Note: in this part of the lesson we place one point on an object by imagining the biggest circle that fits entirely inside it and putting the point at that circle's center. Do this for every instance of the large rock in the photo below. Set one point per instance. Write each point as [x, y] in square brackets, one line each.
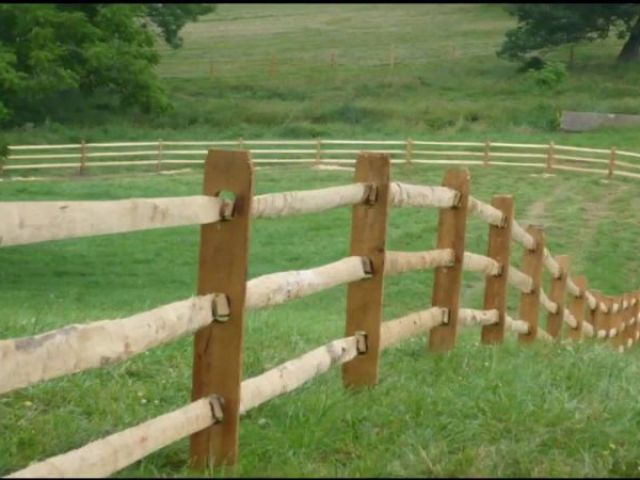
[583, 121]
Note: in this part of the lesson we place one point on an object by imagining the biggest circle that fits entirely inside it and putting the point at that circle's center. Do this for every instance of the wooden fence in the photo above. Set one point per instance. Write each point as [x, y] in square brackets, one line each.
[160, 154]
[216, 314]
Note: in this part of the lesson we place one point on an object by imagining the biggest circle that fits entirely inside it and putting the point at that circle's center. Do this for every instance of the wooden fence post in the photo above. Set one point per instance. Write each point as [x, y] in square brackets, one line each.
[409, 150]
[495, 290]
[447, 280]
[217, 360]
[623, 319]
[557, 294]
[530, 302]
[597, 314]
[550, 156]
[83, 156]
[487, 153]
[159, 164]
[612, 161]
[240, 143]
[616, 322]
[368, 239]
[318, 151]
[636, 315]
[577, 307]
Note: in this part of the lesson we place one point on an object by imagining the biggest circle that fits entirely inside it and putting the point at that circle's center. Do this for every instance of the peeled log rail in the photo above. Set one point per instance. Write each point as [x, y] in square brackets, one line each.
[518, 326]
[520, 280]
[522, 237]
[550, 264]
[295, 203]
[572, 288]
[277, 288]
[407, 195]
[551, 307]
[395, 331]
[488, 213]
[32, 222]
[401, 262]
[292, 374]
[480, 263]
[103, 457]
[28, 360]
[470, 317]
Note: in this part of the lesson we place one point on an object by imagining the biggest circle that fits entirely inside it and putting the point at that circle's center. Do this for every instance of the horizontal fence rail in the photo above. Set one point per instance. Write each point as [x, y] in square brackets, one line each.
[162, 153]
[211, 419]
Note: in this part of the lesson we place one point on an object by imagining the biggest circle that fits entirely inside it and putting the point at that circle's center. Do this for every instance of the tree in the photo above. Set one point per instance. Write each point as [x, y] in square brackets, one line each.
[49, 48]
[548, 25]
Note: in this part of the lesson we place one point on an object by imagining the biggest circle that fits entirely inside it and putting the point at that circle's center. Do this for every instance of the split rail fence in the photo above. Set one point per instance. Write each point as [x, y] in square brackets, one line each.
[216, 315]
[159, 154]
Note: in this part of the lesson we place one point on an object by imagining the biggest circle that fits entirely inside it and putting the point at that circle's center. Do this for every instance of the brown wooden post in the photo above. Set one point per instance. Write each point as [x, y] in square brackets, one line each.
[409, 151]
[495, 290]
[577, 307]
[597, 315]
[452, 224]
[487, 153]
[550, 156]
[624, 329]
[159, 164]
[530, 302]
[217, 359]
[83, 156]
[556, 294]
[368, 239]
[318, 150]
[612, 161]
[616, 322]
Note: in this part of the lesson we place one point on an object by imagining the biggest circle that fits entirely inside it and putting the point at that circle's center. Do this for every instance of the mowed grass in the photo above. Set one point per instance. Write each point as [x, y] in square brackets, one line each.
[563, 410]
[266, 71]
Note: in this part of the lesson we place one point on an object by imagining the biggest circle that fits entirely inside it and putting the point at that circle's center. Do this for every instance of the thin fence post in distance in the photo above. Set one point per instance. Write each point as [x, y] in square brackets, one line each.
[550, 156]
[495, 290]
[447, 280]
[557, 294]
[159, 164]
[577, 307]
[529, 302]
[409, 151]
[487, 153]
[83, 156]
[217, 361]
[612, 162]
[368, 239]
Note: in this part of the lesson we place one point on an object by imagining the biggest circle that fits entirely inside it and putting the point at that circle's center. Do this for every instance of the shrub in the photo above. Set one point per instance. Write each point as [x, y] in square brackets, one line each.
[552, 75]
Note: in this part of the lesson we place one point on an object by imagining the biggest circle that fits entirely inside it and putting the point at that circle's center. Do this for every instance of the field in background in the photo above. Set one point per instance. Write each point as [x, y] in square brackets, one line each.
[266, 71]
[508, 411]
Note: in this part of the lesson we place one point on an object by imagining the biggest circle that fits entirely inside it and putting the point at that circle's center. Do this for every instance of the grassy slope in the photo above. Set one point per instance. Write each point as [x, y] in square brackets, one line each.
[447, 81]
[507, 411]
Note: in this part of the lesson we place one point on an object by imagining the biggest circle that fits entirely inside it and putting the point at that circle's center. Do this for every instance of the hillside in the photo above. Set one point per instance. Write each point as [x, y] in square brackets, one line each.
[291, 71]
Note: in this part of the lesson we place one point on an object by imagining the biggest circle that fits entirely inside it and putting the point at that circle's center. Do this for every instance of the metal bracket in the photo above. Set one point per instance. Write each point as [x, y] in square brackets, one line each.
[361, 342]
[226, 210]
[370, 194]
[216, 402]
[367, 266]
[220, 310]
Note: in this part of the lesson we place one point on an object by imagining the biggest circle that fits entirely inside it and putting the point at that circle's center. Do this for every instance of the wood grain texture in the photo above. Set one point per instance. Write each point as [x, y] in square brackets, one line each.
[530, 302]
[577, 307]
[364, 298]
[217, 360]
[557, 293]
[495, 290]
[452, 224]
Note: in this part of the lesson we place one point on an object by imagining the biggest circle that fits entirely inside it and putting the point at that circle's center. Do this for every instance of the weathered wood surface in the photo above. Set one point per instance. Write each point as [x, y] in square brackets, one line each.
[26, 361]
[217, 348]
[364, 298]
[530, 301]
[452, 224]
[407, 195]
[401, 262]
[395, 331]
[276, 288]
[32, 222]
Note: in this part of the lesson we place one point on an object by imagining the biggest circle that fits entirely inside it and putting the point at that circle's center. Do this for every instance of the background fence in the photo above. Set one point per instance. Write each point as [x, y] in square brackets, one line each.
[216, 315]
[159, 154]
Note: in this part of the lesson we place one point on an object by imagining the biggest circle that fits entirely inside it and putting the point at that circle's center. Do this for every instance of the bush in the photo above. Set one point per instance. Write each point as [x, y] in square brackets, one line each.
[552, 75]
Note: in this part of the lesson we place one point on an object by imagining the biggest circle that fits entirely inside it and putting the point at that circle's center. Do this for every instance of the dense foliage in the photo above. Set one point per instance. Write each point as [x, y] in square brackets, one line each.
[46, 49]
[542, 26]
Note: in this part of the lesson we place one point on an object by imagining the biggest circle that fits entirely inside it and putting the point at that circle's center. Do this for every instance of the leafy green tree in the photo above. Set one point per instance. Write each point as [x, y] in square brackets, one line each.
[49, 48]
[542, 26]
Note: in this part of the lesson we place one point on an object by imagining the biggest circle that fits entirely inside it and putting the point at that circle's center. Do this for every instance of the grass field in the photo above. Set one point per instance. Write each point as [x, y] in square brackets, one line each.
[446, 82]
[569, 410]
[565, 410]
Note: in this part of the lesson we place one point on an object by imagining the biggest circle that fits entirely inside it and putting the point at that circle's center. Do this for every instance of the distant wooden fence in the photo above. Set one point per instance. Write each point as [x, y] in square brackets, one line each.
[216, 315]
[160, 154]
